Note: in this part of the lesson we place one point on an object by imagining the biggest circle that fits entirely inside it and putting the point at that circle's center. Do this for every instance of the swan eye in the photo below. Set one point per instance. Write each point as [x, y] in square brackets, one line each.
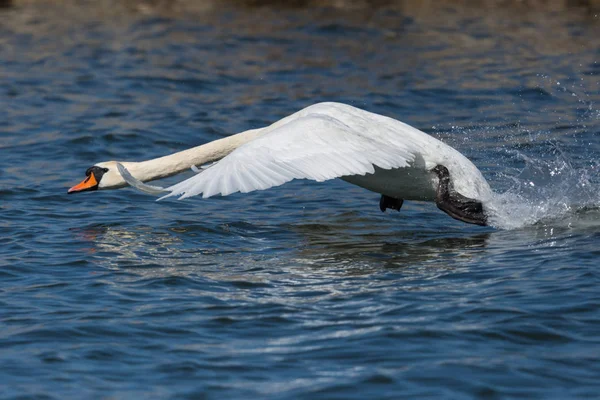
[97, 171]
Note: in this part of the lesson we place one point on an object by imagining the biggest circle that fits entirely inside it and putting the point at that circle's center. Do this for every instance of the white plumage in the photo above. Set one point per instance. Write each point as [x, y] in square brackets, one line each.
[332, 140]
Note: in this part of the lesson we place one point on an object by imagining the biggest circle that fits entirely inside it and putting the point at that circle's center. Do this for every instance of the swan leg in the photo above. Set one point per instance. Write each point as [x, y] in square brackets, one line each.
[389, 202]
[455, 204]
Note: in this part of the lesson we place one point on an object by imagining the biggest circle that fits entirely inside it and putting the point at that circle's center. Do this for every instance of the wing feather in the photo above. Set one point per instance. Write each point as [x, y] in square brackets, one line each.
[317, 143]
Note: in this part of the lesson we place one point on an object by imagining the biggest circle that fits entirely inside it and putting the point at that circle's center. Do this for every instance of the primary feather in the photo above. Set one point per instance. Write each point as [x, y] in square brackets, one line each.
[321, 142]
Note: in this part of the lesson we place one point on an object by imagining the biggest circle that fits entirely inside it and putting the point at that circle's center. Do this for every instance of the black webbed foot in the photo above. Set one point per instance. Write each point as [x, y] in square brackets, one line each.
[455, 204]
[389, 202]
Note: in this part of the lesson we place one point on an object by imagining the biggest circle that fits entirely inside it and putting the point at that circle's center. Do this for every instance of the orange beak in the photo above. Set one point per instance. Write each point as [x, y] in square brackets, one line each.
[88, 183]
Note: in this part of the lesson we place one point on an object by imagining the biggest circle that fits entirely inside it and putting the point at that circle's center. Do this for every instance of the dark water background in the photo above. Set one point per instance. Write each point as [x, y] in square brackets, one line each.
[306, 290]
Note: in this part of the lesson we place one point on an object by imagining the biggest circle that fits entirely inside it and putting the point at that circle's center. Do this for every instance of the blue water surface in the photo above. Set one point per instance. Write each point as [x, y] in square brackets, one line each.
[304, 291]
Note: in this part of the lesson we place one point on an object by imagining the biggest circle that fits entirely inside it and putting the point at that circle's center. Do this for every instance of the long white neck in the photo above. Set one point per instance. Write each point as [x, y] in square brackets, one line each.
[176, 163]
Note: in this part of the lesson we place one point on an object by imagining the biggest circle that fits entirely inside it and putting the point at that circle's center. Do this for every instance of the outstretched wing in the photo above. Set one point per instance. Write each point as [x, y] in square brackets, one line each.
[314, 145]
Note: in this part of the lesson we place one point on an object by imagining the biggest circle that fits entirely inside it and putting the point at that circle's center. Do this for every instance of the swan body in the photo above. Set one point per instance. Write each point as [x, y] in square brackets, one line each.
[320, 142]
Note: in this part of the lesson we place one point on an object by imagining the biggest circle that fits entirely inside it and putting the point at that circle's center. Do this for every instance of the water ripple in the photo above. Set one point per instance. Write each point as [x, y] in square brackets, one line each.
[306, 290]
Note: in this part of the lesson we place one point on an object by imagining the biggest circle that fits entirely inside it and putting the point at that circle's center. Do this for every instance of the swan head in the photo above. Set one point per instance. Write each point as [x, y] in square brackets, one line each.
[104, 175]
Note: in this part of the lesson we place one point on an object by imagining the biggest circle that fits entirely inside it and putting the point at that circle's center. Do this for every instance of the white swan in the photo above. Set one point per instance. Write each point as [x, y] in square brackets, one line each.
[321, 142]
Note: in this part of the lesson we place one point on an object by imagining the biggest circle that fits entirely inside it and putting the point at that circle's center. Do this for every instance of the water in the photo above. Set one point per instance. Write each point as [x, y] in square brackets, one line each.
[306, 290]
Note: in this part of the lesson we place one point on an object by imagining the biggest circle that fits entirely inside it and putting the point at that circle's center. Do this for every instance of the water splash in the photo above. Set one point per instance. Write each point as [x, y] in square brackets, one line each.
[547, 191]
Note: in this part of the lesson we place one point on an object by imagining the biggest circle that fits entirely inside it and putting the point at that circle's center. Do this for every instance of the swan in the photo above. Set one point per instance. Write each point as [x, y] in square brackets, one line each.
[320, 142]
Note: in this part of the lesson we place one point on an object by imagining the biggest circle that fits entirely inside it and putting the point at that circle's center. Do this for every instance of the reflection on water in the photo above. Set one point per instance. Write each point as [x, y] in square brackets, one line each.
[152, 252]
[337, 246]
[315, 250]
[322, 245]
[317, 271]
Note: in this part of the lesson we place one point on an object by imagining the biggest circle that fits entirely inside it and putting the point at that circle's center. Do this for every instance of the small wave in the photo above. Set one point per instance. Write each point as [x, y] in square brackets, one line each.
[549, 191]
